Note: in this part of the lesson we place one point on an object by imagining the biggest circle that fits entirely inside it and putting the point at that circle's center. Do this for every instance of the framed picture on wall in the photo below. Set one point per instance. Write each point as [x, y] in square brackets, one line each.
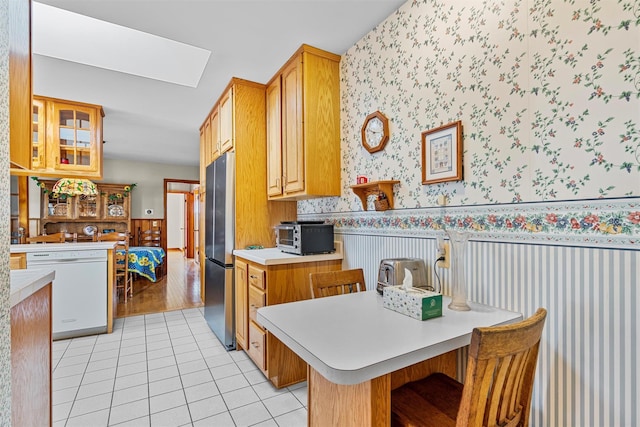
[442, 154]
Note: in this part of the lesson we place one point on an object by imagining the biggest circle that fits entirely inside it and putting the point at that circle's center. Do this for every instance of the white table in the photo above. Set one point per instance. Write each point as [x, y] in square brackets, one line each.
[358, 351]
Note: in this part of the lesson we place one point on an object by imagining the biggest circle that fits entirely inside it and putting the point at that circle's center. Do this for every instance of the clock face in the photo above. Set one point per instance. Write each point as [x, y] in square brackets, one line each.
[375, 132]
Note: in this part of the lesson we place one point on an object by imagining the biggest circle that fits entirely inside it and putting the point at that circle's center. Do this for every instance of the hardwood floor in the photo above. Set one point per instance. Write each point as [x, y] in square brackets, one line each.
[179, 289]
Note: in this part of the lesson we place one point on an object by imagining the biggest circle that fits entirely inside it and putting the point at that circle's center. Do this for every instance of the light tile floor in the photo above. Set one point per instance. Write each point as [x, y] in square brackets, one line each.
[165, 369]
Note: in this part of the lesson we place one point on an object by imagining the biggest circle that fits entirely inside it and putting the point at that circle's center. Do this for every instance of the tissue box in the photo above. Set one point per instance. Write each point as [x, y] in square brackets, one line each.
[419, 304]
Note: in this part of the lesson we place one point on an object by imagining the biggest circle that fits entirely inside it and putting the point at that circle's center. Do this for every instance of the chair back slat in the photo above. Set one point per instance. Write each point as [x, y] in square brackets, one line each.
[500, 373]
[332, 283]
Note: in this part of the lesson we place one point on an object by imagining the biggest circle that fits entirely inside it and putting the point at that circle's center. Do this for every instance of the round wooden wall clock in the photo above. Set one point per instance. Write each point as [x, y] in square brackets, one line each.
[375, 132]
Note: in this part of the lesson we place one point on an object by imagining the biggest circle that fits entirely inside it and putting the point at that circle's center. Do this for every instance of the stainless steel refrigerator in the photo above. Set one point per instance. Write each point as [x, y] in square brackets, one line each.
[219, 244]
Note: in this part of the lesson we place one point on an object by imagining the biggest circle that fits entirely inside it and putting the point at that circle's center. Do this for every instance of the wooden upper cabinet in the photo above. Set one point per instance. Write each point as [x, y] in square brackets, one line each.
[38, 134]
[226, 121]
[218, 126]
[76, 143]
[203, 155]
[65, 138]
[19, 14]
[214, 130]
[274, 134]
[304, 144]
[293, 158]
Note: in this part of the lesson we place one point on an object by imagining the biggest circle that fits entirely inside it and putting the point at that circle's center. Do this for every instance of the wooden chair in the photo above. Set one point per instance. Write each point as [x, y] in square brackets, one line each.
[124, 279]
[498, 385]
[336, 282]
[152, 237]
[53, 238]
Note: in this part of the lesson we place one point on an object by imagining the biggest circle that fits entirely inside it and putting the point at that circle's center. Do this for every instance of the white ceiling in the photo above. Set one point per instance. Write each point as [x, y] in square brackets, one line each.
[155, 121]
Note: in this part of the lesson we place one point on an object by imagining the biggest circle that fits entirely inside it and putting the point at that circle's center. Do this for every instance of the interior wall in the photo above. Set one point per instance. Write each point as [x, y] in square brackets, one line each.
[149, 177]
[588, 369]
[546, 92]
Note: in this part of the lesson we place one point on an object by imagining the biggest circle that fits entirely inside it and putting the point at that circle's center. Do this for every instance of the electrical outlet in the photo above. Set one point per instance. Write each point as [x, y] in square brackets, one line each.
[443, 252]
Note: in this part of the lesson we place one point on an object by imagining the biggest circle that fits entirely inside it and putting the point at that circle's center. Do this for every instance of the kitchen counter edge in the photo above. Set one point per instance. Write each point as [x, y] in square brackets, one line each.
[55, 247]
[25, 283]
[273, 256]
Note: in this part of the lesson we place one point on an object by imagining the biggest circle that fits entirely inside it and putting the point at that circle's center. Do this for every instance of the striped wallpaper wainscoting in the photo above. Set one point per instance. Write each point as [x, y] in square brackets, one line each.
[588, 371]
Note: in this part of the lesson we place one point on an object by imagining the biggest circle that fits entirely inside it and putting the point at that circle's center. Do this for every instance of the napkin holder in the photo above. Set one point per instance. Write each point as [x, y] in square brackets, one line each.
[413, 302]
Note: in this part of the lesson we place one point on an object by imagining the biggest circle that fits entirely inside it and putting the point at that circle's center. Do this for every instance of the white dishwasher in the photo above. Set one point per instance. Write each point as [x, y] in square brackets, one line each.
[79, 294]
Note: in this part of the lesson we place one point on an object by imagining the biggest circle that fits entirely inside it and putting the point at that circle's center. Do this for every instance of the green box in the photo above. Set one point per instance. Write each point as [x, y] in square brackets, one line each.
[414, 302]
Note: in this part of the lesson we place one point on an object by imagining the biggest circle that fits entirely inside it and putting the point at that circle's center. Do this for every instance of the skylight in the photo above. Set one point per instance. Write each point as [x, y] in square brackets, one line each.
[61, 34]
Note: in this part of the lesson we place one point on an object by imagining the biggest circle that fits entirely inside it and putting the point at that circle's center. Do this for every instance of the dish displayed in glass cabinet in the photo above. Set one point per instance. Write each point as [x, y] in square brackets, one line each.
[116, 210]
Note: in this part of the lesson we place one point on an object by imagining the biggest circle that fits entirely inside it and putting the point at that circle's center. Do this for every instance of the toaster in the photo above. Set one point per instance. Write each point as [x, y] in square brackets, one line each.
[391, 272]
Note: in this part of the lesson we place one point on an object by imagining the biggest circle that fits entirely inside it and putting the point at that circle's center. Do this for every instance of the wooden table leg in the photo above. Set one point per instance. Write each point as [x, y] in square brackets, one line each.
[367, 403]
[364, 404]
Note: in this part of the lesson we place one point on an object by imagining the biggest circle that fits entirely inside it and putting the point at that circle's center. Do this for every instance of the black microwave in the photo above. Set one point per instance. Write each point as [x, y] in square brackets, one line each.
[305, 237]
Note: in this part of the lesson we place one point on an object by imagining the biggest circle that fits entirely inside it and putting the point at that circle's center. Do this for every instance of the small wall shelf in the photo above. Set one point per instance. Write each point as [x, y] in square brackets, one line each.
[375, 187]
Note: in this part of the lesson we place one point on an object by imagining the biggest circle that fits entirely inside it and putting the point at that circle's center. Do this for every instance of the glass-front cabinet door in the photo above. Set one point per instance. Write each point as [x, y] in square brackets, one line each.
[115, 202]
[87, 207]
[74, 133]
[38, 134]
[58, 206]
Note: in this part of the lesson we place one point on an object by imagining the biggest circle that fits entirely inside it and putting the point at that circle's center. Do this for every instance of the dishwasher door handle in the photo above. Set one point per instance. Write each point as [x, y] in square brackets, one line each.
[61, 261]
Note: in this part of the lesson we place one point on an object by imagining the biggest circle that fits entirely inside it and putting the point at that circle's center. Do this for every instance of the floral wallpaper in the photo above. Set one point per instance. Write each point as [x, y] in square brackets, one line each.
[548, 92]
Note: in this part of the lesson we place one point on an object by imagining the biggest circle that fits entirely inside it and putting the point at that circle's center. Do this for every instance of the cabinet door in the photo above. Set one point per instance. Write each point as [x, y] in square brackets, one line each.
[115, 205]
[88, 207]
[274, 139]
[74, 144]
[204, 154]
[226, 121]
[19, 25]
[38, 134]
[56, 206]
[292, 132]
[257, 344]
[242, 318]
[214, 126]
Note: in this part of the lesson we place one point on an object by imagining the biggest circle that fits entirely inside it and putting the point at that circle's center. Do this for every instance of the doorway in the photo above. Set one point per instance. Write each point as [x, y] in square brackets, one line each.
[180, 210]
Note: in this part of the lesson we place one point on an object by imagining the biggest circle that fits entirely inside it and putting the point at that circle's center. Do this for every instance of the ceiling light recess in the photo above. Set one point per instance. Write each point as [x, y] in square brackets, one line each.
[61, 34]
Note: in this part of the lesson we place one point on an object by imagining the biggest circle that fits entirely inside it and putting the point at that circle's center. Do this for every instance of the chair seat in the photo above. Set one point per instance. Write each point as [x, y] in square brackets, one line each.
[498, 384]
[430, 402]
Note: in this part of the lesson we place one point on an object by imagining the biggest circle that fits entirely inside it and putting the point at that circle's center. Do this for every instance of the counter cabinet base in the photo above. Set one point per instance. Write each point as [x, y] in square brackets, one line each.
[367, 403]
[31, 360]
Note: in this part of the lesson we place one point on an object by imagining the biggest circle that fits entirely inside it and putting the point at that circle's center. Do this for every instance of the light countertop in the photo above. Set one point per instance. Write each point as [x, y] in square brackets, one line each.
[54, 247]
[274, 256]
[25, 283]
[352, 338]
